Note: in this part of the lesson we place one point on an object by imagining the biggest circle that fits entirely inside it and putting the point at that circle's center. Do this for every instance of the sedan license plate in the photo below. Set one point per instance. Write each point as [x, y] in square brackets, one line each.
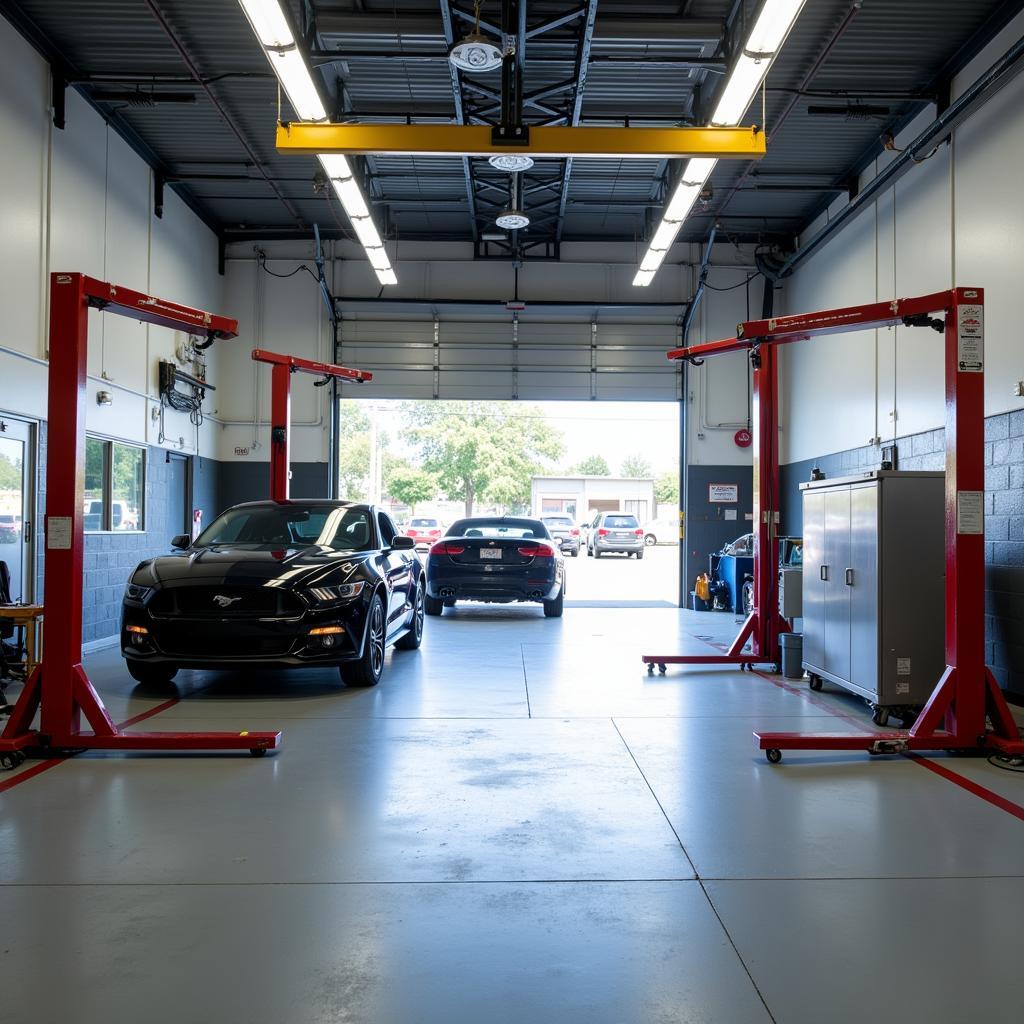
[621, 534]
[494, 553]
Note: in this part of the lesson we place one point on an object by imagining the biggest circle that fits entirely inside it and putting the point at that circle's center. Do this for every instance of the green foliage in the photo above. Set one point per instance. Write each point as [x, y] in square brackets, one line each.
[408, 484]
[636, 466]
[10, 474]
[592, 465]
[354, 451]
[666, 487]
[483, 450]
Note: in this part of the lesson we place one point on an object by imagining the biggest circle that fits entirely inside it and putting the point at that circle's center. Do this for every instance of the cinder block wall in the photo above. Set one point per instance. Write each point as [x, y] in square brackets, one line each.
[1004, 525]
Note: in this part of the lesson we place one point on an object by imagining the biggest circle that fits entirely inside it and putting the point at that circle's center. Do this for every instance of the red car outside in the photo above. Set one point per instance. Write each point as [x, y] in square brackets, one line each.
[424, 530]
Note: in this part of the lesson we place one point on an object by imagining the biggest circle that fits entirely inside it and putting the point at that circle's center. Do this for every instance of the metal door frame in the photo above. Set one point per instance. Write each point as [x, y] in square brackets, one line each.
[30, 473]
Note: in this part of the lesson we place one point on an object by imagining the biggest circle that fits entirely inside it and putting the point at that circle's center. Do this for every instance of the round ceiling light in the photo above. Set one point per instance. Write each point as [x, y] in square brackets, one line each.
[512, 220]
[475, 53]
[514, 163]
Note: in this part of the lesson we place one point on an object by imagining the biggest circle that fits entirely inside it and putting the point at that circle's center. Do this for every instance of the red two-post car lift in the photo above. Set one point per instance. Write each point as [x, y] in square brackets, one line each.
[281, 407]
[59, 689]
[967, 710]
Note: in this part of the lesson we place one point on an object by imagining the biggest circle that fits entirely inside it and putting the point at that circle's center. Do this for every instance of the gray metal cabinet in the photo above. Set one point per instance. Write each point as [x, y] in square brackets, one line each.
[873, 586]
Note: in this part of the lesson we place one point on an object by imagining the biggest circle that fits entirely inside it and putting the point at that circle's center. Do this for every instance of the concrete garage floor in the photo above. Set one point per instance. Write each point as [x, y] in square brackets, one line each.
[517, 825]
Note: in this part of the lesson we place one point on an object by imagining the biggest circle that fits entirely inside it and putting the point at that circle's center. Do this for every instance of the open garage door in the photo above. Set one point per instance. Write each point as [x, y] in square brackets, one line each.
[530, 355]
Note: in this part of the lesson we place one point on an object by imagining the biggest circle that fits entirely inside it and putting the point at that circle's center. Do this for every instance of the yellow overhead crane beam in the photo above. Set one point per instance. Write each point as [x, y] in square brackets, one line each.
[544, 141]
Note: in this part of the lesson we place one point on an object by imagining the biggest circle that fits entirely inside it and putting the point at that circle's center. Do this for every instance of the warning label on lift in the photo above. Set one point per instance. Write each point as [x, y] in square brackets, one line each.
[970, 512]
[970, 333]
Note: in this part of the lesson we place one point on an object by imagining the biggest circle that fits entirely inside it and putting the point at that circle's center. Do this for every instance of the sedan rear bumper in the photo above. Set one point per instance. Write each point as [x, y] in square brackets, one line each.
[473, 588]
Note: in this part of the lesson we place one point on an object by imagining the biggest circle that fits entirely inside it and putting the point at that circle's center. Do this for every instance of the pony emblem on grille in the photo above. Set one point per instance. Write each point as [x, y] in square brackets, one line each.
[224, 601]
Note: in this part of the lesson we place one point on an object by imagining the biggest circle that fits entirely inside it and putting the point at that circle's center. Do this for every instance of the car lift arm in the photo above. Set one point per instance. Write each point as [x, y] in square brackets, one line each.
[967, 710]
[281, 408]
[60, 689]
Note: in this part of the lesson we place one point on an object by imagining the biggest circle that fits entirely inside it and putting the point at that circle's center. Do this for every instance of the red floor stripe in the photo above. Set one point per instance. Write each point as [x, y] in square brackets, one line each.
[42, 766]
[972, 787]
[939, 769]
[31, 773]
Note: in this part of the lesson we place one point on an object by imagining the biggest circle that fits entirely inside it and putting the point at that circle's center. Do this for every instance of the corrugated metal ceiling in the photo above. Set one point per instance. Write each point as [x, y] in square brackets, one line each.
[386, 59]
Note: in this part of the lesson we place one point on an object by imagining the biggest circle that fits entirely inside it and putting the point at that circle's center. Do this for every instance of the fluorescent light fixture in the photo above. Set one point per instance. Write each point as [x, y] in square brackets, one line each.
[366, 232]
[769, 32]
[387, 277]
[351, 197]
[378, 259]
[268, 22]
[297, 82]
[336, 165]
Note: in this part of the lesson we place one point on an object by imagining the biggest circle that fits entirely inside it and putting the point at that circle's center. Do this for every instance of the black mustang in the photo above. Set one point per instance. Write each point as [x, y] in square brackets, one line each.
[278, 584]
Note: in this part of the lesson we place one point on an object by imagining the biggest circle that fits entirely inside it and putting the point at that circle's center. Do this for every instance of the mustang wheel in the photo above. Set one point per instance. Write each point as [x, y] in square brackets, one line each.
[367, 670]
[414, 637]
[152, 675]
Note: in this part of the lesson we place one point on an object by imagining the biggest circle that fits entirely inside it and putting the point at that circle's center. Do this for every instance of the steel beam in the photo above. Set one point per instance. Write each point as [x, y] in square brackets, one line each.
[544, 141]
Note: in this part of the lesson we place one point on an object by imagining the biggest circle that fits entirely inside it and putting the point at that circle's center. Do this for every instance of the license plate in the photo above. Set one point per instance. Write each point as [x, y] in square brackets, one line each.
[623, 535]
[494, 553]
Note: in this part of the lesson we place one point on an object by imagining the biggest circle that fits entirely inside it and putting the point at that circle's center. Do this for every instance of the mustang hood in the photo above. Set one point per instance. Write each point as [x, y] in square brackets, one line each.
[244, 565]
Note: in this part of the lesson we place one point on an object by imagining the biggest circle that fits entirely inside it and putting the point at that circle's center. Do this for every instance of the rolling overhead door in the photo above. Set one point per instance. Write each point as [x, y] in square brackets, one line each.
[528, 357]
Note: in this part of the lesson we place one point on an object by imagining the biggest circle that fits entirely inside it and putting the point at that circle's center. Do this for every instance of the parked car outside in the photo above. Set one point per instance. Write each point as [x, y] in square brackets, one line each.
[424, 530]
[565, 531]
[10, 528]
[615, 532]
[297, 584]
[661, 531]
[499, 559]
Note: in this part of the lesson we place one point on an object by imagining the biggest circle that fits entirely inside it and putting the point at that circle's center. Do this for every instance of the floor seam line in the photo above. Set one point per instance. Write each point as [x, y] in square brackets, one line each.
[526, 682]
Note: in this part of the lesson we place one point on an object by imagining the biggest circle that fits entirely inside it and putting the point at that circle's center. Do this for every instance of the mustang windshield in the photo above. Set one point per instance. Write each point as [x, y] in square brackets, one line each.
[512, 529]
[267, 528]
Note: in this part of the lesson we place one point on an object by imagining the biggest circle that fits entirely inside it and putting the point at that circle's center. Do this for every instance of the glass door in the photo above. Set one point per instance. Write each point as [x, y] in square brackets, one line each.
[16, 505]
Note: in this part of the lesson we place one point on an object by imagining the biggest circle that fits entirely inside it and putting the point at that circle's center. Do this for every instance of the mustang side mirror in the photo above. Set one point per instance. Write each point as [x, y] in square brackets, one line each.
[403, 544]
[181, 542]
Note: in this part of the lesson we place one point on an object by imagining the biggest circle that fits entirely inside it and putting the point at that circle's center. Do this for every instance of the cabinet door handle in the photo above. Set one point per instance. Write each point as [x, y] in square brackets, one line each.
[824, 572]
[849, 577]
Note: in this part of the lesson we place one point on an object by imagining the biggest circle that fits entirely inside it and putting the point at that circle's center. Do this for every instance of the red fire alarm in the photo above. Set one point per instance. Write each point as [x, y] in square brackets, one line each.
[742, 438]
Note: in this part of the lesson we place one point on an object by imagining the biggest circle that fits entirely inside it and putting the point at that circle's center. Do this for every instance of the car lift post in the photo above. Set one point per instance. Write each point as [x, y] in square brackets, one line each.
[60, 689]
[281, 408]
[765, 622]
[967, 710]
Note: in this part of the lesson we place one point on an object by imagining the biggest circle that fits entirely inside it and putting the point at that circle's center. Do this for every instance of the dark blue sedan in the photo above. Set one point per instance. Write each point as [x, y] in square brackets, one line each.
[498, 559]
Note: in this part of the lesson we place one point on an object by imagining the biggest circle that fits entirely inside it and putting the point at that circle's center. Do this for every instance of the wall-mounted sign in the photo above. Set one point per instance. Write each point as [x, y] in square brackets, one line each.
[742, 438]
[241, 451]
[725, 494]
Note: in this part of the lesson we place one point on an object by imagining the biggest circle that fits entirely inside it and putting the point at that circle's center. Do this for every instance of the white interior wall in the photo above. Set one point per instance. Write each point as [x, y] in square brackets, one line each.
[81, 200]
[955, 219]
[396, 342]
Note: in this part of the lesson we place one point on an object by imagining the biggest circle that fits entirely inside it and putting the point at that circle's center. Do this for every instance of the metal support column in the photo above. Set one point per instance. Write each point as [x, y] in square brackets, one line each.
[281, 408]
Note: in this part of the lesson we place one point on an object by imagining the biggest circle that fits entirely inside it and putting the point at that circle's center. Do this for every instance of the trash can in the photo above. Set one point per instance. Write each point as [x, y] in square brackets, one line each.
[792, 645]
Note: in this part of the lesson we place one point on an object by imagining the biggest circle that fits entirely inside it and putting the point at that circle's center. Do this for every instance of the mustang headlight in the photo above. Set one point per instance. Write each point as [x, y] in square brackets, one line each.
[334, 595]
[136, 593]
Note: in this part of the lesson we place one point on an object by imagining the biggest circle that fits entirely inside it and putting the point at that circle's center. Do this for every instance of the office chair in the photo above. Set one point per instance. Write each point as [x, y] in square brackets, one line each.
[11, 654]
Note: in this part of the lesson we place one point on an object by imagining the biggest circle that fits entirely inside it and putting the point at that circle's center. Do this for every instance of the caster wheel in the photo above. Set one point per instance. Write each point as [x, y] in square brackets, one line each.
[258, 752]
[650, 669]
[814, 682]
[662, 669]
[774, 755]
[880, 716]
[776, 668]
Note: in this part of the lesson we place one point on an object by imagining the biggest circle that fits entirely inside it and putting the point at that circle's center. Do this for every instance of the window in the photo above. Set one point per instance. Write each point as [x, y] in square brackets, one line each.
[621, 522]
[271, 528]
[115, 486]
[387, 530]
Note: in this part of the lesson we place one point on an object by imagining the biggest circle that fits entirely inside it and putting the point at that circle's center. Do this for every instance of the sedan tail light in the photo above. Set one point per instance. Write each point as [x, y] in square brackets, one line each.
[602, 532]
[446, 548]
[639, 531]
[574, 533]
[536, 551]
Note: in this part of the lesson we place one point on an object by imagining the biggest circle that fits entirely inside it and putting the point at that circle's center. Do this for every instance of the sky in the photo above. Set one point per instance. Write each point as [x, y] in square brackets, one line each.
[615, 430]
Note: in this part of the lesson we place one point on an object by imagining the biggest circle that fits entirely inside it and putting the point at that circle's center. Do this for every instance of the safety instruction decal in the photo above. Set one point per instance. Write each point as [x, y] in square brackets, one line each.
[970, 334]
[903, 666]
[970, 512]
[58, 533]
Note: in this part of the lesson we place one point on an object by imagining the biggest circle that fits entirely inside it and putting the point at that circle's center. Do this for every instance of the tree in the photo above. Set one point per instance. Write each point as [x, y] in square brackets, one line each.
[410, 485]
[592, 465]
[353, 451]
[486, 450]
[666, 488]
[10, 474]
[636, 466]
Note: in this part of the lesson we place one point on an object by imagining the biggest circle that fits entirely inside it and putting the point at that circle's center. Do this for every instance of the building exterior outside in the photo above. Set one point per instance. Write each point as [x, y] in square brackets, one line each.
[578, 496]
